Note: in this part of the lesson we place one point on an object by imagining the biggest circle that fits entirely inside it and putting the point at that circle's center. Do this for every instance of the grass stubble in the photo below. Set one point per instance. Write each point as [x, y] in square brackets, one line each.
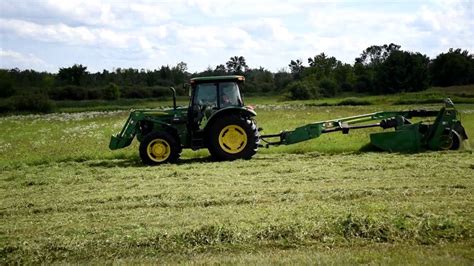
[66, 198]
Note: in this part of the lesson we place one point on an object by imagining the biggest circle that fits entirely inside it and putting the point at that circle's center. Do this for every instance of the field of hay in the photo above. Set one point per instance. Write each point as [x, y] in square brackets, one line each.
[66, 198]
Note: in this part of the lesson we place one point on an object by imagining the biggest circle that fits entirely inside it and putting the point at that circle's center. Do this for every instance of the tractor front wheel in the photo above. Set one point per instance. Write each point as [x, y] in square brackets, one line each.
[232, 138]
[159, 147]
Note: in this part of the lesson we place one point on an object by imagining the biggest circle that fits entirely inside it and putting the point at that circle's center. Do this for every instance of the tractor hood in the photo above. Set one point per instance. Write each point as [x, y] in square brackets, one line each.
[157, 113]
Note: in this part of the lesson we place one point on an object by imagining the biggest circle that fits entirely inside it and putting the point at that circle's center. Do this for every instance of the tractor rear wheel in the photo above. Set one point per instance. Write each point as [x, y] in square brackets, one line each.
[159, 147]
[232, 138]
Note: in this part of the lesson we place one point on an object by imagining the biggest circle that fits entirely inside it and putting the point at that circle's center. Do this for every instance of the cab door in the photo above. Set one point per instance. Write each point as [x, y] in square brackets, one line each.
[204, 103]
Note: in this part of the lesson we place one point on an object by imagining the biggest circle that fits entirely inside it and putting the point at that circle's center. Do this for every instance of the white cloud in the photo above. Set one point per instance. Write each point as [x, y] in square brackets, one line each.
[61, 33]
[207, 32]
[13, 59]
[271, 28]
[245, 8]
[151, 13]
[88, 12]
[213, 37]
[431, 29]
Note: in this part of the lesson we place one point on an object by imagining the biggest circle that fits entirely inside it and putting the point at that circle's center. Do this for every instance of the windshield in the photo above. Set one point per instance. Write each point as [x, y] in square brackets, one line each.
[229, 94]
[206, 94]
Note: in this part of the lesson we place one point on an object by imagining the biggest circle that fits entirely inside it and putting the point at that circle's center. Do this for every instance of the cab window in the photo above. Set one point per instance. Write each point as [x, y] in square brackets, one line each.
[206, 95]
[229, 94]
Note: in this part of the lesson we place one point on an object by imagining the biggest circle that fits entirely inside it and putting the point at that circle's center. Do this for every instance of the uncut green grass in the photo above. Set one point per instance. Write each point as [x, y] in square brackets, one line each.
[34, 139]
[66, 198]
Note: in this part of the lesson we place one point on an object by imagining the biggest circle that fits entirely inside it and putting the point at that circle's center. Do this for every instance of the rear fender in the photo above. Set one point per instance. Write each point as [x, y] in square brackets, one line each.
[239, 111]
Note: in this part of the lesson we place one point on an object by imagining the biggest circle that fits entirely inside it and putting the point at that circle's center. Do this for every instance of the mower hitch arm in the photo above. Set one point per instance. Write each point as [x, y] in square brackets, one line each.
[390, 119]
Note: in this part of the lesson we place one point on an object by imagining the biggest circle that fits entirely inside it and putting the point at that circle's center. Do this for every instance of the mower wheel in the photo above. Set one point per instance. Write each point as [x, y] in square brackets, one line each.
[233, 137]
[159, 147]
[452, 140]
[457, 140]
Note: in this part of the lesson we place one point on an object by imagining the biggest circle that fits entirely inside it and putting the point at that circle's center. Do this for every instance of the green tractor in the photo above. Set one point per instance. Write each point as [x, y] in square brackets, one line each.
[216, 119]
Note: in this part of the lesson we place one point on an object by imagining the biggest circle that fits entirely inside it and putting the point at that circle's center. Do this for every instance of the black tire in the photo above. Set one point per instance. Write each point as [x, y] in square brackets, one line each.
[158, 148]
[457, 140]
[452, 140]
[233, 148]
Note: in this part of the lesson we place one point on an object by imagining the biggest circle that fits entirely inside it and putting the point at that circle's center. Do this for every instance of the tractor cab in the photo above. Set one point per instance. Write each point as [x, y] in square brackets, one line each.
[211, 94]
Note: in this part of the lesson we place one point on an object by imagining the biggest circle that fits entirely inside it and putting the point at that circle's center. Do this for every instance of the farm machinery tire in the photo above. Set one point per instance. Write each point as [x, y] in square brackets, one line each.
[158, 148]
[452, 140]
[233, 137]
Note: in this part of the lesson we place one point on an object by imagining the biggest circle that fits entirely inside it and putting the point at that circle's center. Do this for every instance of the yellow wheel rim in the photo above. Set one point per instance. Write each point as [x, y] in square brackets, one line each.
[233, 139]
[158, 150]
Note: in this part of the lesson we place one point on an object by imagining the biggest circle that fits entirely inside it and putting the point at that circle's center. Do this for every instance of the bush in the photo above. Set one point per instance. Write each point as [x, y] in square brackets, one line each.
[6, 89]
[353, 102]
[94, 94]
[301, 90]
[136, 92]
[31, 103]
[328, 87]
[69, 92]
[111, 92]
[345, 86]
[158, 92]
[266, 87]
[6, 106]
[364, 85]
[180, 90]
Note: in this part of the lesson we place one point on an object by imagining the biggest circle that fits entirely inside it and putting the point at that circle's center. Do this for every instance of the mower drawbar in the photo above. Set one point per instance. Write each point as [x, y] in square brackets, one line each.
[443, 133]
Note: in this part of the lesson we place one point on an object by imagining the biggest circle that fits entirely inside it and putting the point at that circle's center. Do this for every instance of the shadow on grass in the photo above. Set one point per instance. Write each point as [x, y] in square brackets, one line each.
[136, 162]
[369, 148]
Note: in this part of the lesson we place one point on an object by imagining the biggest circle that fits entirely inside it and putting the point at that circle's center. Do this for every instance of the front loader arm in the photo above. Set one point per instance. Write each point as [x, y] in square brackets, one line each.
[128, 132]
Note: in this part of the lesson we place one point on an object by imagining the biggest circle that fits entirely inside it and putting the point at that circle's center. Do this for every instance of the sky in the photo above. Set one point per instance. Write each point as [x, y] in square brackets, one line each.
[46, 35]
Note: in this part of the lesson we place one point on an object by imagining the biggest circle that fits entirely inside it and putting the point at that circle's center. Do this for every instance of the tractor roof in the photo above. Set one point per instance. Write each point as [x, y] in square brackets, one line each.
[218, 78]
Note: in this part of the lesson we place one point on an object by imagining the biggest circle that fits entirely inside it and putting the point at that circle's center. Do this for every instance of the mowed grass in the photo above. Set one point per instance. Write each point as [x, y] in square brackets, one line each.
[66, 198]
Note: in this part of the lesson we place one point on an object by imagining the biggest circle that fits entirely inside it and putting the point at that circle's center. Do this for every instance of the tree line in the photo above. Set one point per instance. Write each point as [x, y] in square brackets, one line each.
[380, 69]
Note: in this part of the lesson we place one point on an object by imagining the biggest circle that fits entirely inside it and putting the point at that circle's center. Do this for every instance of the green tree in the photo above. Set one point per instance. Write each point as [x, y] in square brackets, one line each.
[282, 79]
[302, 90]
[259, 80]
[111, 92]
[367, 64]
[72, 75]
[322, 66]
[237, 65]
[403, 72]
[328, 87]
[456, 67]
[178, 73]
[296, 68]
[6, 84]
[220, 70]
[376, 54]
[344, 76]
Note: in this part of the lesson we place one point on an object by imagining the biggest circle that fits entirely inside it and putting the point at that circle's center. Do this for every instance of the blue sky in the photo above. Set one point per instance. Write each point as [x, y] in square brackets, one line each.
[49, 34]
